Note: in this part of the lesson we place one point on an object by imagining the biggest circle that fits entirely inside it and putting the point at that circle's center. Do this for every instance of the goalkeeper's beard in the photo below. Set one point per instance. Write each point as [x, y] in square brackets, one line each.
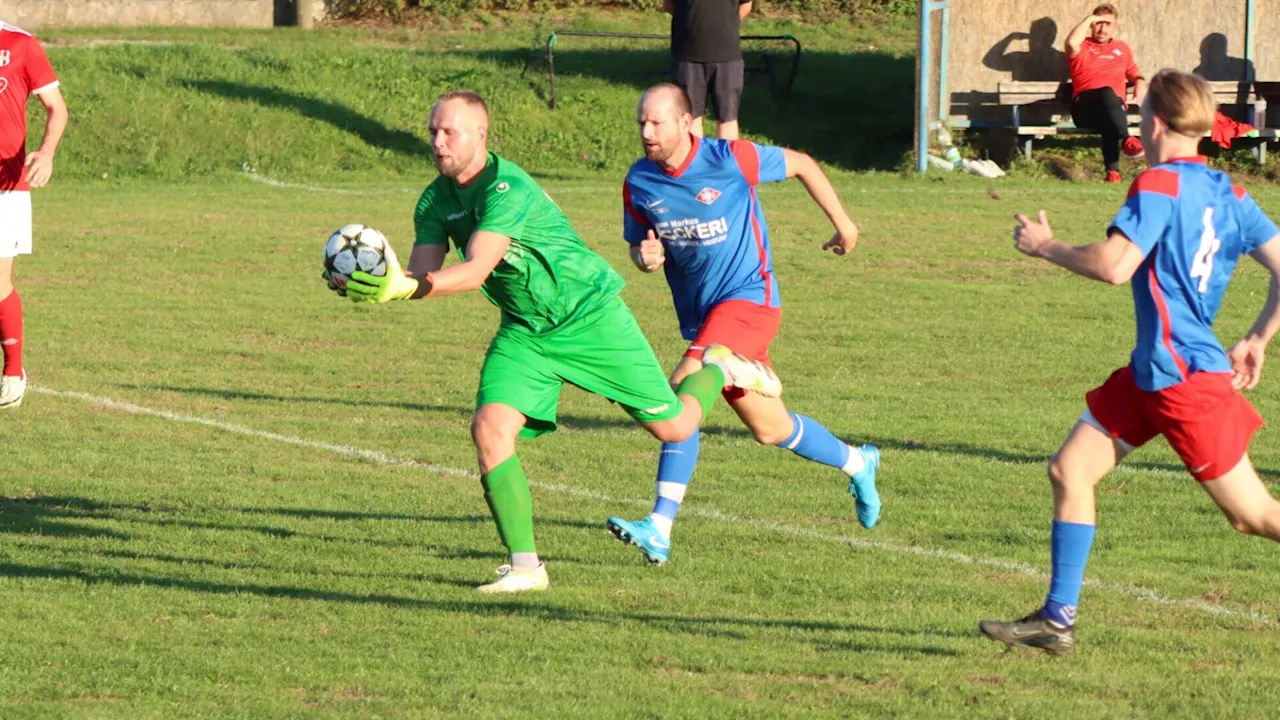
[454, 166]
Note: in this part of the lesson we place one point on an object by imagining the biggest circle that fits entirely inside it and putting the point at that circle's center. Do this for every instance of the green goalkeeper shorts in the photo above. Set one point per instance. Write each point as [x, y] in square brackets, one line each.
[603, 352]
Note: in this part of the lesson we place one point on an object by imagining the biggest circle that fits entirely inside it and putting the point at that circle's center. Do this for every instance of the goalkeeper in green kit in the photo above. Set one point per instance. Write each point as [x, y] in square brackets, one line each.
[562, 320]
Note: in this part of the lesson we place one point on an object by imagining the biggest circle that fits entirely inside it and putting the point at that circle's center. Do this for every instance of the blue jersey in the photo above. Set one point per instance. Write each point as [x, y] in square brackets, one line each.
[1191, 225]
[710, 222]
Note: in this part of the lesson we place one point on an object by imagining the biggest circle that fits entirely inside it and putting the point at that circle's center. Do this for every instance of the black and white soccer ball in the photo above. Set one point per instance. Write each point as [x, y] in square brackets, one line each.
[350, 248]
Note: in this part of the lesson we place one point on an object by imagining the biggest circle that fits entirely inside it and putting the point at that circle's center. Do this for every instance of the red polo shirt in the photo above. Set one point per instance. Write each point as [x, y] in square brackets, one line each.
[1100, 65]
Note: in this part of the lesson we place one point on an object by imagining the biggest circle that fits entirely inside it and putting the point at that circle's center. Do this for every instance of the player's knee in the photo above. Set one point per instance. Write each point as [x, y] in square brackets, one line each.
[1249, 524]
[1059, 472]
[770, 434]
[1262, 522]
[489, 433]
[667, 432]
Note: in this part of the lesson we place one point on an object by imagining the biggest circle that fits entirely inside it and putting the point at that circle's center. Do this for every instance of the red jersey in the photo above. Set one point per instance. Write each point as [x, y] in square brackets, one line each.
[1100, 65]
[24, 71]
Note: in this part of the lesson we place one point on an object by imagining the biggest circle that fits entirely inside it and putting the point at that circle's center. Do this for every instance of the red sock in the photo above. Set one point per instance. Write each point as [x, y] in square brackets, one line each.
[11, 333]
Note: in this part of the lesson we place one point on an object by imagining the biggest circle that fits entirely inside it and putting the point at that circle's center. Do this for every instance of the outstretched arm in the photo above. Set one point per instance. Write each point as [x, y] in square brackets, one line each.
[800, 165]
[1113, 260]
[426, 258]
[484, 252]
[1075, 38]
[1248, 354]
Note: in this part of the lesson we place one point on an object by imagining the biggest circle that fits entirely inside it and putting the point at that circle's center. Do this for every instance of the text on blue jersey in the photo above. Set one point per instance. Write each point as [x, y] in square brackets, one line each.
[709, 219]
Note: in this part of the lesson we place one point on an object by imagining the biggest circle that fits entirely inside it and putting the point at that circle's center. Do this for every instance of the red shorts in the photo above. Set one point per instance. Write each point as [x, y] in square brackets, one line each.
[1204, 419]
[744, 327]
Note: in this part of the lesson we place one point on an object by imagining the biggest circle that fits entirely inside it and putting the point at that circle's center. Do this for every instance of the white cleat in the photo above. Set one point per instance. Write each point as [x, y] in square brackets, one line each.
[515, 580]
[12, 388]
[743, 372]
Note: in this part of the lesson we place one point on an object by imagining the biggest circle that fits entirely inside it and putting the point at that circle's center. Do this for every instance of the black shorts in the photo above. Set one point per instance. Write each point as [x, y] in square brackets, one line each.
[725, 80]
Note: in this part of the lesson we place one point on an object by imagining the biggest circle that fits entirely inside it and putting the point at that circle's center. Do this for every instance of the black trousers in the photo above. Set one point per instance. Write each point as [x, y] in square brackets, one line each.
[1101, 111]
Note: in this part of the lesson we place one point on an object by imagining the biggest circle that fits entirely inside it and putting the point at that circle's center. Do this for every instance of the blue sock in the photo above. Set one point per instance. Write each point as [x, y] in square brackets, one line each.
[1070, 551]
[811, 441]
[675, 470]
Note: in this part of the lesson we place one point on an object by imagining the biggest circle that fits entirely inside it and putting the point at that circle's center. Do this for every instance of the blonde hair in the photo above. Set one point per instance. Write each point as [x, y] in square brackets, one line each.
[470, 97]
[1183, 101]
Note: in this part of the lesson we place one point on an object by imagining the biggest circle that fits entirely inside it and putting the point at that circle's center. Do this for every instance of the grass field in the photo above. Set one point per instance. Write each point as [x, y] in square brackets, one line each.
[219, 501]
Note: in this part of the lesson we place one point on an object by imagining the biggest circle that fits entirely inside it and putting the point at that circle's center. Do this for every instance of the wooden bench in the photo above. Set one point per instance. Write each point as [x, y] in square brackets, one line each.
[1053, 100]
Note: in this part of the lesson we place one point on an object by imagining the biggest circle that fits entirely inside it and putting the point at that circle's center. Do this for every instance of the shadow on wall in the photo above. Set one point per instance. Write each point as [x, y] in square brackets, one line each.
[1216, 64]
[1042, 61]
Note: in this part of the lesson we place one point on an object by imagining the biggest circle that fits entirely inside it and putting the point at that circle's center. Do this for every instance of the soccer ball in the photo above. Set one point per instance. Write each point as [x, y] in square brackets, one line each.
[350, 248]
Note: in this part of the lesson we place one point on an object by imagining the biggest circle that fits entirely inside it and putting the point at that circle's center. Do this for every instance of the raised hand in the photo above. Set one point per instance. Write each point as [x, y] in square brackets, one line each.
[652, 253]
[1029, 236]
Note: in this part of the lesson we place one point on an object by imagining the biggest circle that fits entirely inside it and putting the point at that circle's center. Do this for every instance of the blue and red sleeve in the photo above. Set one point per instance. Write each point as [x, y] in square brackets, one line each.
[1149, 209]
[759, 163]
[635, 226]
[1258, 229]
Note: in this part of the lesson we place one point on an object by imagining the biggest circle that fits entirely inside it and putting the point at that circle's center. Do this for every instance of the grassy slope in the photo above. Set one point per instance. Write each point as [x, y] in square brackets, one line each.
[310, 105]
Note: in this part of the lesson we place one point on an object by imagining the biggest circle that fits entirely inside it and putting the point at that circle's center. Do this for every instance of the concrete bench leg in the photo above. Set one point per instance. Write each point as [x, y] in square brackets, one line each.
[1026, 149]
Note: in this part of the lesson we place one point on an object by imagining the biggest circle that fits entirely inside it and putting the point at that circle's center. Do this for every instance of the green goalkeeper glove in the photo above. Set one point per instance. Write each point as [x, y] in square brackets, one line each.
[395, 285]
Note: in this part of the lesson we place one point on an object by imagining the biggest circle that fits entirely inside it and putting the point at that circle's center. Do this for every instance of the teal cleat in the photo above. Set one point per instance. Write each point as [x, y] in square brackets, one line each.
[862, 486]
[643, 535]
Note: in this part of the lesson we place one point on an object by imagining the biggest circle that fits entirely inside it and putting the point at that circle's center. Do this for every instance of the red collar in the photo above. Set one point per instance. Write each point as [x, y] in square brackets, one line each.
[693, 152]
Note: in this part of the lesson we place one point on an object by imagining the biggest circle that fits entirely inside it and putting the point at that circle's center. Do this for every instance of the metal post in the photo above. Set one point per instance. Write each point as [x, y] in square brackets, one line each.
[944, 106]
[1250, 39]
[922, 90]
[551, 68]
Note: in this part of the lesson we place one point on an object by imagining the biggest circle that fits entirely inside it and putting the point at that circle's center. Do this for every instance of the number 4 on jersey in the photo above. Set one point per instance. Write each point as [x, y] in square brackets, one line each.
[1202, 266]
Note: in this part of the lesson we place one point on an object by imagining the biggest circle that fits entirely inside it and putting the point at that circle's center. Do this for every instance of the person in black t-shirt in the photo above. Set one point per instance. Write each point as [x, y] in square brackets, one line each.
[706, 53]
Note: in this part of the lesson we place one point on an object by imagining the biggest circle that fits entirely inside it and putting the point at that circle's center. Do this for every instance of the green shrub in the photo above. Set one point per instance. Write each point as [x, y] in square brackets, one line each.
[353, 9]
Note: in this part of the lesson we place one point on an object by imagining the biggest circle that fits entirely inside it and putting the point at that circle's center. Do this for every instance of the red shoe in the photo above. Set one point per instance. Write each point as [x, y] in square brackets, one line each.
[1131, 147]
[1113, 176]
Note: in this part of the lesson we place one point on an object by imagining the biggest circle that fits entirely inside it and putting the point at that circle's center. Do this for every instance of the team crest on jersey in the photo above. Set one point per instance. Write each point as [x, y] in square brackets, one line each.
[707, 195]
[4, 58]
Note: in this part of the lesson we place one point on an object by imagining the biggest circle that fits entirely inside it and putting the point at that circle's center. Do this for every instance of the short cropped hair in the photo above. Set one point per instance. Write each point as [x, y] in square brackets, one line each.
[1106, 9]
[470, 97]
[1183, 101]
[684, 106]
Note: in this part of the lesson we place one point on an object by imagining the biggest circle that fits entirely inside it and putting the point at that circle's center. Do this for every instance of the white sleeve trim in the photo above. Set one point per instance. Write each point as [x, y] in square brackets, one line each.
[46, 88]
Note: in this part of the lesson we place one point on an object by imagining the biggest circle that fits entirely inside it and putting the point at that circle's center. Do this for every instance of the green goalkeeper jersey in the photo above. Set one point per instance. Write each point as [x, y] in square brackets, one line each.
[548, 275]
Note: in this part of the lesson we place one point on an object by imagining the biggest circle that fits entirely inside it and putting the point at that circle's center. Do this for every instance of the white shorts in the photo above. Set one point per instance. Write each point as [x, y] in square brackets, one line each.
[15, 223]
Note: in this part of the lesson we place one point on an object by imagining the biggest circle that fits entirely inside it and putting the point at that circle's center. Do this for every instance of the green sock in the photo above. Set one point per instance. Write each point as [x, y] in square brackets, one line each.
[704, 386]
[506, 489]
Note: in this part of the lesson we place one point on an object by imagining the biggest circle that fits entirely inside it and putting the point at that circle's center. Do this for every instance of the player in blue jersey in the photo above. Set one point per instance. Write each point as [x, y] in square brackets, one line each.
[690, 208]
[1176, 240]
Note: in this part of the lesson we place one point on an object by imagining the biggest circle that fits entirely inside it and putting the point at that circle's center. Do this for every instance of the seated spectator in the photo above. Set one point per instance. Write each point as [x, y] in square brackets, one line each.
[1101, 66]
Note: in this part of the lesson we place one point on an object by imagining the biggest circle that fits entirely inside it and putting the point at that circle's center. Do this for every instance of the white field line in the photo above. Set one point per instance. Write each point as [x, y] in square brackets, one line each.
[554, 189]
[1136, 593]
